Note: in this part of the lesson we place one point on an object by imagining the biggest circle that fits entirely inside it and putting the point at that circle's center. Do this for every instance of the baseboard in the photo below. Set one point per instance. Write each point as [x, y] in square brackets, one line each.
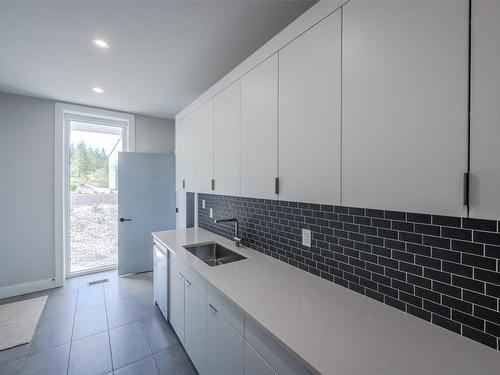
[32, 286]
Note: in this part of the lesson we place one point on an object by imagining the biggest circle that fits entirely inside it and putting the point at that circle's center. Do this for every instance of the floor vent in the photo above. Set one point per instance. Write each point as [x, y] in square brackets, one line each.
[96, 282]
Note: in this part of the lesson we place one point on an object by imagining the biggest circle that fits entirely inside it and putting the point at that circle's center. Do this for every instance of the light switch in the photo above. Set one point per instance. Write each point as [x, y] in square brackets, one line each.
[203, 203]
[211, 213]
[306, 237]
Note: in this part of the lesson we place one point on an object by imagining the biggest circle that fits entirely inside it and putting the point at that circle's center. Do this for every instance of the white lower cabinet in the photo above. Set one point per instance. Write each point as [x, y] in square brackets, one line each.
[255, 364]
[176, 313]
[216, 333]
[226, 348]
[195, 323]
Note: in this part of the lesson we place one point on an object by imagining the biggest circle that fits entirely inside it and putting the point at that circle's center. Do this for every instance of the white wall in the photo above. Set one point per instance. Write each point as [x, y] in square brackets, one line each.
[154, 135]
[26, 189]
[27, 186]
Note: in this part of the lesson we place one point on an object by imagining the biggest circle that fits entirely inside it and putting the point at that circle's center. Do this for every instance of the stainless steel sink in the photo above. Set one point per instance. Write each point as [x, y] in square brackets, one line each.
[213, 254]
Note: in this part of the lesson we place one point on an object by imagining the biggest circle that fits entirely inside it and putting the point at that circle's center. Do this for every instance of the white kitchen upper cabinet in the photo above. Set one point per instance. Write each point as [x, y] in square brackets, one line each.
[259, 130]
[227, 140]
[485, 110]
[404, 105]
[184, 153]
[179, 160]
[204, 148]
[309, 115]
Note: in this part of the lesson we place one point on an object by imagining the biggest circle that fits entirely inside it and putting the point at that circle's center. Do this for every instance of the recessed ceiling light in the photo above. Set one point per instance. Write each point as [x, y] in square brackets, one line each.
[100, 43]
[98, 90]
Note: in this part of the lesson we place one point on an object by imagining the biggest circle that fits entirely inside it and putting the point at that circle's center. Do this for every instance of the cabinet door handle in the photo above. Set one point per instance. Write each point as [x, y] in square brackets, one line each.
[212, 308]
[187, 282]
[466, 188]
[179, 275]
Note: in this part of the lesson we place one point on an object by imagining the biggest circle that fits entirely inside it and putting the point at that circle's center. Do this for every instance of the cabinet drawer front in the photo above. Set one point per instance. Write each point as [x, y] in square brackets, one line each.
[226, 348]
[228, 310]
[196, 280]
[271, 351]
[255, 364]
[176, 296]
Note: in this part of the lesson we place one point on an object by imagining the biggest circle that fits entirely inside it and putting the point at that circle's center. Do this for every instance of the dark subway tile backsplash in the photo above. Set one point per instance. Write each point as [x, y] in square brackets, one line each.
[443, 269]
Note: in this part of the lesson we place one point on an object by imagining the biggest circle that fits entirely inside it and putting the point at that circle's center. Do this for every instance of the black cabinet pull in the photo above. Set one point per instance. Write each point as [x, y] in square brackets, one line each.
[466, 188]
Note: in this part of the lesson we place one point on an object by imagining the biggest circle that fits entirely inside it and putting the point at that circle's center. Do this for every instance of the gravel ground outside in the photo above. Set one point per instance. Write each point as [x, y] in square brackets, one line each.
[94, 235]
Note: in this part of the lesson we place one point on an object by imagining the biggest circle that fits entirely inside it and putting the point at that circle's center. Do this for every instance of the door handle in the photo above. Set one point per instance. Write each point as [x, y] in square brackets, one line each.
[187, 282]
[179, 275]
[122, 219]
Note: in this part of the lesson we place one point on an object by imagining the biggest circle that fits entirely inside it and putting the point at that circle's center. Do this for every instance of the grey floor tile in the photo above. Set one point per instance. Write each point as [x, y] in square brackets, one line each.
[59, 304]
[174, 361]
[16, 352]
[13, 367]
[90, 297]
[146, 366]
[90, 355]
[137, 285]
[121, 312]
[49, 362]
[90, 321]
[116, 291]
[52, 332]
[55, 321]
[159, 333]
[128, 344]
[145, 305]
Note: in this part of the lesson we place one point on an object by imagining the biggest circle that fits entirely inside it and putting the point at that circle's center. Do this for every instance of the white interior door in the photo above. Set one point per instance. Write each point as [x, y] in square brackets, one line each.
[146, 201]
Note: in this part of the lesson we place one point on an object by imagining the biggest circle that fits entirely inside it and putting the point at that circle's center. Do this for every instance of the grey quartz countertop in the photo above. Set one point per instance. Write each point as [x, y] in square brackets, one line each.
[332, 329]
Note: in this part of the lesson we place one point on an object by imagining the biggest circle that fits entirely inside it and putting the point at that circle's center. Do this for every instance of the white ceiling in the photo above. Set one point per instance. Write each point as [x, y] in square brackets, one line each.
[163, 53]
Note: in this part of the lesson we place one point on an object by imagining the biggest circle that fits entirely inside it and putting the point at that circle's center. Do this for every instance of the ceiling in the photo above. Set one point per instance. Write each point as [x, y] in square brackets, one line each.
[163, 54]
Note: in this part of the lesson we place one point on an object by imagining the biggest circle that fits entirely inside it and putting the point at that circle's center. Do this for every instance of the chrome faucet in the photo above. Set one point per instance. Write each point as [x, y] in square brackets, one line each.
[237, 238]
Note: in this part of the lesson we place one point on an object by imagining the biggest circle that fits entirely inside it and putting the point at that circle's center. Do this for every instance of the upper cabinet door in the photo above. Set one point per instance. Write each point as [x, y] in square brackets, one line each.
[309, 115]
[404, 113]
[227, 141]
[184, 144]
[259, 130]
[179, 159]
[204, 148]
[485, 110]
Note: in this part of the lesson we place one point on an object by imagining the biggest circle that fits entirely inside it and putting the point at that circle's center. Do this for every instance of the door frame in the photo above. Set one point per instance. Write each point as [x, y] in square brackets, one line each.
[61, 174]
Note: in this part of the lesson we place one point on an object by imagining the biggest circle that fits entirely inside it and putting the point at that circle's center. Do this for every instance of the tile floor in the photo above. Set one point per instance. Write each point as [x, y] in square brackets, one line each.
[112, 328]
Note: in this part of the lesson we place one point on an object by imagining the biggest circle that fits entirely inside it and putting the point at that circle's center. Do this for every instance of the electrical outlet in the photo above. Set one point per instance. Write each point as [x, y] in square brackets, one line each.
[203, 203]
[306, 237]
[211, 213]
